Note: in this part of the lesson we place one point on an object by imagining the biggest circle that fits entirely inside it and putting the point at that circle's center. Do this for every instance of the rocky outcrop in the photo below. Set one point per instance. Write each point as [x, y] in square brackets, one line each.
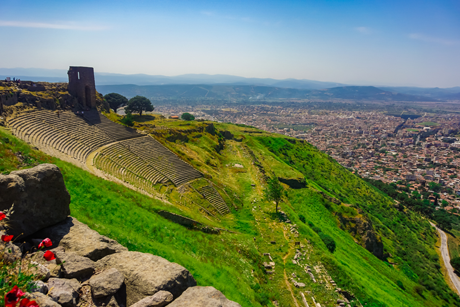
[159, 299]
[146, 274]
[78, 238]
[227, 135]
[203, 297]
[107, 283]
[89, 269]
[294, 183]
[39, 196]
[64, 291]
[75, 266]
[362, 230]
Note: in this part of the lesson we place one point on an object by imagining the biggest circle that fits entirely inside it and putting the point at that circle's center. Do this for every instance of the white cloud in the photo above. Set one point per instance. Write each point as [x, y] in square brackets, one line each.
[431, 39]
[207, 13]
[42, 25]
[364, 30]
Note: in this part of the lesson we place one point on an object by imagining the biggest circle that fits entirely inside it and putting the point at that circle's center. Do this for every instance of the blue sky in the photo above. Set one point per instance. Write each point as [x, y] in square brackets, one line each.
[356, 42]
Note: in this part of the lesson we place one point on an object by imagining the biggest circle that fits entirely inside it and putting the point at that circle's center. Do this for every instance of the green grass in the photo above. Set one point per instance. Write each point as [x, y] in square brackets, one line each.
[454, 243]
[429, 124]
[232, 261]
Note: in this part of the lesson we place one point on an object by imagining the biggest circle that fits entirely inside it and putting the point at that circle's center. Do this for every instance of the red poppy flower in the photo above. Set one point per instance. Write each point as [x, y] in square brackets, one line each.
[13, 297]
[2, 215]
[47, 242]
[49, 256]
[7, 238]
[28, 303]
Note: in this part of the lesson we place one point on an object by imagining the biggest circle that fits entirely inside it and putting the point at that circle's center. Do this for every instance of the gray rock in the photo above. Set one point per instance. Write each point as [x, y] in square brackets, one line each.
[40, 198]
[75, 266]
[146, 274]
[11, 252]
[64, 291]
[78, 238]
[42, 299]
[39, 286]
[159, 299]
[109, 301]
[107, 283]
[40, 270]
[202, 297]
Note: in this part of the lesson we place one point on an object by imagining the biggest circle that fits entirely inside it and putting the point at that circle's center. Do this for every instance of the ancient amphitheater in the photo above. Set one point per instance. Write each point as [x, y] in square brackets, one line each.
[92, 140]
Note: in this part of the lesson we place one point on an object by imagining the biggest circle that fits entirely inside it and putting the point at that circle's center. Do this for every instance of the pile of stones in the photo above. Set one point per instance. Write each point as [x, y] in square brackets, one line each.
[89, 269]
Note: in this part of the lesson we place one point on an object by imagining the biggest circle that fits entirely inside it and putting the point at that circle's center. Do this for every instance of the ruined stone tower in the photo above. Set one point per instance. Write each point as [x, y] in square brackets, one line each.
[82, 85]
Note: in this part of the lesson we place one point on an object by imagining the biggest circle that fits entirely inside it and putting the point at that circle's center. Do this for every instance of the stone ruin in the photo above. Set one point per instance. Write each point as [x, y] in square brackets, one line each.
[82, 85]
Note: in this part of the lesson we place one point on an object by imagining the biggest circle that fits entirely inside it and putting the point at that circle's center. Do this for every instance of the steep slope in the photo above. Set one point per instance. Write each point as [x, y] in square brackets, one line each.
[264, 257]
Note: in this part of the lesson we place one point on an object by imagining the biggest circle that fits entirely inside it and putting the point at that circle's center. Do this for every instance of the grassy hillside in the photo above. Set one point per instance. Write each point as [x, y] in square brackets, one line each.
[233, 261]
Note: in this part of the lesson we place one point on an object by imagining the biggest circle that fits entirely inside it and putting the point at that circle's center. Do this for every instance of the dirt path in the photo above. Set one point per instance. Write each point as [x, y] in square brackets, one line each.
[286, 279]
[446, 258]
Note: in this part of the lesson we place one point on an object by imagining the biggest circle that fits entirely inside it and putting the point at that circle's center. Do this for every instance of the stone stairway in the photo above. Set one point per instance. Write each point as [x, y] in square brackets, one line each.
[215, 199]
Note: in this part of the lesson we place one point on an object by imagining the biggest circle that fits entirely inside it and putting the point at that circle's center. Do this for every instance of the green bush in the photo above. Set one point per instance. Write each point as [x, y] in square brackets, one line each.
[455, 262]
[187, 116]
[302, 218]
[330, 243]
[400, 284]
[127, 120]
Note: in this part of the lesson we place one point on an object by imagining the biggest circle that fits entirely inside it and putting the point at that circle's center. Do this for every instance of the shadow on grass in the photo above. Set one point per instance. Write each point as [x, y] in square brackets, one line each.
[143, 118]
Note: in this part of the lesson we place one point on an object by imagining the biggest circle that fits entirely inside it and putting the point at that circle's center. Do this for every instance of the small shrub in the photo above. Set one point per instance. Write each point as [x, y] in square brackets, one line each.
[127, 120]
[400, 284]
[330, 243]
[455, 262]
[419, 289]
[302, 218]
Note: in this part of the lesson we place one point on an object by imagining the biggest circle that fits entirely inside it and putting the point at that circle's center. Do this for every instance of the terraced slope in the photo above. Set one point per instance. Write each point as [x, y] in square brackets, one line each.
[162, 159]
[114, 131]
[67, 133]
[134, 158]
[215, 199]
[119, 161]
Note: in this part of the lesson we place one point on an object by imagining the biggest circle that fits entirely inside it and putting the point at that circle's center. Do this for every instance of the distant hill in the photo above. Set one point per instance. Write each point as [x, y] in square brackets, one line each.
[60, 75]
[250, 92]
[434, 92]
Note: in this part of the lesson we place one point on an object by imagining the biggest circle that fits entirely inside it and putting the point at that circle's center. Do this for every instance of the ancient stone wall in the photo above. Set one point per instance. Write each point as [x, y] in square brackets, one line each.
[82, 85]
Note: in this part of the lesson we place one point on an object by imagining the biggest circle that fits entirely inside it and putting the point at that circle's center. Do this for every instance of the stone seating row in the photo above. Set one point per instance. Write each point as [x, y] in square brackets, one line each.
[126, 159]
[114, 131]
[215, 199]
[162, 159]
[37, 132]
[113, 168]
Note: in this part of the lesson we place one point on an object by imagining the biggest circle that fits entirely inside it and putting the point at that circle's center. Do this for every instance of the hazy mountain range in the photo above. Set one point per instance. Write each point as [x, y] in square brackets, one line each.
[235, 82]
[254, 92]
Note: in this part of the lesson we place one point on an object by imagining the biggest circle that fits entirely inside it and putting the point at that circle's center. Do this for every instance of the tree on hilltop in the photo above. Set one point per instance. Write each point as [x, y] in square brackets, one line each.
[187, 116]
[274, 191]
[115, 100]
[138, 104]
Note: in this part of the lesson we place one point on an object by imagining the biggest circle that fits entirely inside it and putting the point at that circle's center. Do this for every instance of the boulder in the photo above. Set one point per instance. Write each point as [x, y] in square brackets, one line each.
[39, 196]
[203, 297]
[75, 266]
[146, 274]
[39, 286]
[42, 299]
[78, 238]
[64, 291]
[106, 283]
[159, 299]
